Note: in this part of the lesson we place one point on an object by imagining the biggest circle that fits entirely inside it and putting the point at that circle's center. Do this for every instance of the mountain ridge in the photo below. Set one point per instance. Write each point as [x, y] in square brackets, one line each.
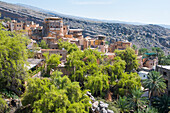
[148, 35]
[99, 20]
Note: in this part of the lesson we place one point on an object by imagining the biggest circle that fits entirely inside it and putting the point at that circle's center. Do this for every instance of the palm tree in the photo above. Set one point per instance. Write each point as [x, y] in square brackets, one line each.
[155, 82]
[136, 101]
[148, 110]
[162, 103]
[122, 104]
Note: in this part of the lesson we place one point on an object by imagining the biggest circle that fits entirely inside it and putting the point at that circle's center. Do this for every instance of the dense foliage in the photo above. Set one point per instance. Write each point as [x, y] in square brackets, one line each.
[142, 51]
[43, 44]
[13, 57]
[155, 83]
[67, 46]
[45, 96]
[133, 102]
[3, 105]
[51, 62]
[90, 71]
[93, 71]
[162, 103]
[129, 57]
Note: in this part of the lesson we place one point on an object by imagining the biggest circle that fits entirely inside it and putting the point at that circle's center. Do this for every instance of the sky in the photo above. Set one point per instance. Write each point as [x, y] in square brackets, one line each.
[143, 11]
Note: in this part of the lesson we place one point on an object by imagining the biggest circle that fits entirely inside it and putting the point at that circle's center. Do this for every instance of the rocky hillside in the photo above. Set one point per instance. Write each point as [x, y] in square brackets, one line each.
[147, 36]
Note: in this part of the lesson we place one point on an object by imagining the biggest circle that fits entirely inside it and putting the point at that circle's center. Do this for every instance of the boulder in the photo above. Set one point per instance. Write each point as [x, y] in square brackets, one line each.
[92, 98]
[109, 111]
[104, 105]
[95, 104]
[98, 109]
[89, 94]
[101, 102]
[103, 110]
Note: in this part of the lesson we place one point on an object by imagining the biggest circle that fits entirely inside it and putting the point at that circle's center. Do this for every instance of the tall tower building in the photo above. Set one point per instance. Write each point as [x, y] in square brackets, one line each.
[53, 27]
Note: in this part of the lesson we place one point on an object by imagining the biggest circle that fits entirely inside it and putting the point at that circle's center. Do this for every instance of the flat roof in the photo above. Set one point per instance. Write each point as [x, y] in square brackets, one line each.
[53, 18]
[109, 54]
[50, 37]
[101, 36]
[75, 29]
[165, 67]
[150, 53]
[52, 50]
[144, 72]
[33, 63]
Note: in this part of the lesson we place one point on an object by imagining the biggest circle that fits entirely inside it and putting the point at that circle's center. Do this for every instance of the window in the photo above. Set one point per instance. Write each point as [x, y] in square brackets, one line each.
[164, 73]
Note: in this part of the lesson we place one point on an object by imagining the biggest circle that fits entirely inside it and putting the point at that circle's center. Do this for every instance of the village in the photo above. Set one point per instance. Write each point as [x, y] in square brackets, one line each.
[53, 31]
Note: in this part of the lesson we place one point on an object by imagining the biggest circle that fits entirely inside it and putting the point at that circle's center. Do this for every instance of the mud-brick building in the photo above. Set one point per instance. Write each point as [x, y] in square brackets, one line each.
[53, 26]
[165, 71]
[120, 45]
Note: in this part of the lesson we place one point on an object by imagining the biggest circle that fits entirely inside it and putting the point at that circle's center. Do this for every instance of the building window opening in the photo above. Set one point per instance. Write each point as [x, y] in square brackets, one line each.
[164, 73]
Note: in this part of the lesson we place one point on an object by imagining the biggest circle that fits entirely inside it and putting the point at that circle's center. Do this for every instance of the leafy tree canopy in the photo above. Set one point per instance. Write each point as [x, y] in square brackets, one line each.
[3, 105]
[142, 51]
[43, 44]
[69, 47]
[13, 58]
[45, 95]
[52, 61]
[129, 56]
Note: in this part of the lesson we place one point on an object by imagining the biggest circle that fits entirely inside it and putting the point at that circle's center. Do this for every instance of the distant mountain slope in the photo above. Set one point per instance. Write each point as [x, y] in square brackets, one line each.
[141, 35]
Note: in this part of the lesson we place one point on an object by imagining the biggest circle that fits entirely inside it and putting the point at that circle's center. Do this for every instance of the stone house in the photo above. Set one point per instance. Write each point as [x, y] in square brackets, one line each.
[165, 71]
[120, 45]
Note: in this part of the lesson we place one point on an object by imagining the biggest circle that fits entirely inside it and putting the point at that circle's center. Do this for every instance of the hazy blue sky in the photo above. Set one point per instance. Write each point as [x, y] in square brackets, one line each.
[145, 11]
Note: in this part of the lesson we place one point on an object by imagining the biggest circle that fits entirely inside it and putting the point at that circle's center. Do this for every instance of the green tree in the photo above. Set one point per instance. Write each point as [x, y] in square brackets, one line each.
[13, 58]
[126, 83]
[76, 65]
[3, 105]
[158, 50]
[58, 81]
[54, 101]
[142, 51]
[97, 84]
[123, 104]
[35, 90]
[129, 57]
[162, 103]
[43, 44]
[69, 47]
[155, 83]
[52, 61]
[77, 108]
[6, 19]
[134, 47]
[165, 60]
[46, 96]
[119, 66]
[136, 101]
[84, 63]
[115, 71]
[148, 109]
[160, 54]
